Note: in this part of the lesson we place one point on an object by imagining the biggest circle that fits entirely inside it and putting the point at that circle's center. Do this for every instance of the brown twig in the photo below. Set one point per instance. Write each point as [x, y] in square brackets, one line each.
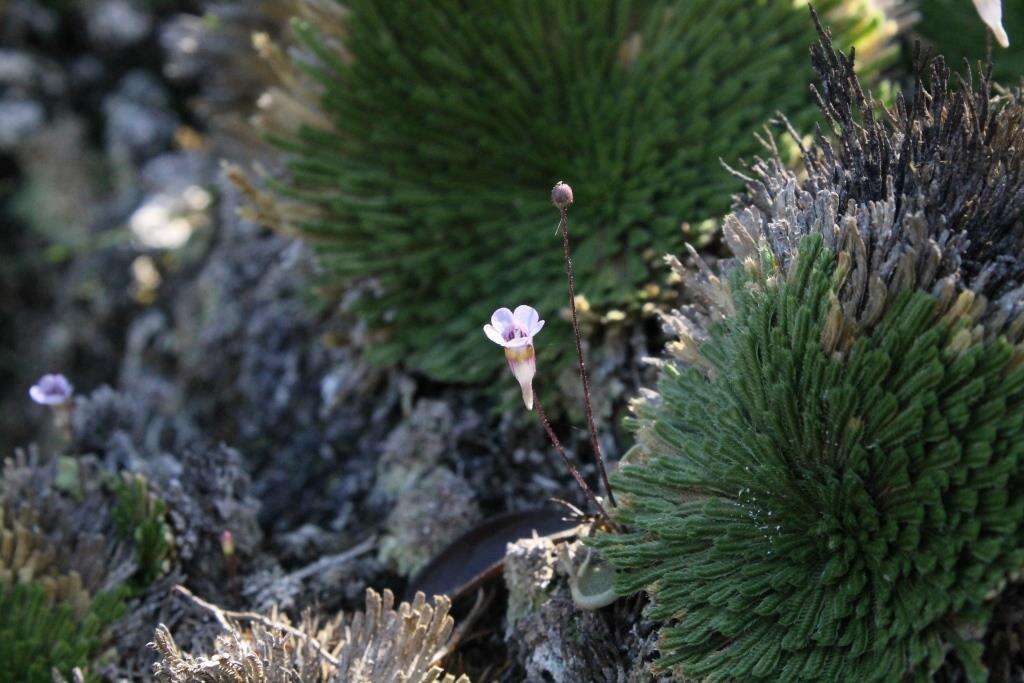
[563, 225]
[565, 459]
[222, 616]
[332, 561]
[483, 600]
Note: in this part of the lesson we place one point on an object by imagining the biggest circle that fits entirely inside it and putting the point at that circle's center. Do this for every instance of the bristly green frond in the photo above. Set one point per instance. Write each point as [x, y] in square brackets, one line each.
[446, 120]
[39, 636]
[64, 563]
[828, 482]
[139, 517]
[825, 517]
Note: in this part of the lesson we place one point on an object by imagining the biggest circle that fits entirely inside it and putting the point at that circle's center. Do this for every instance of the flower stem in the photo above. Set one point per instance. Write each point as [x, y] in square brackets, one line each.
[565, 459]
[563, 225]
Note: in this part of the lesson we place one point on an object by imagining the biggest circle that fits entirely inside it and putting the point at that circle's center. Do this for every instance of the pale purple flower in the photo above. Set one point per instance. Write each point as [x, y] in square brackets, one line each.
[515, 332]
[991, 12]
[51, 390]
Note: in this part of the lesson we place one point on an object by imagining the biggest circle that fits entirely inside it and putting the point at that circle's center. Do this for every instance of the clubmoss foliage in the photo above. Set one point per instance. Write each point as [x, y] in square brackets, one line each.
[443, 118]
[48, 618]
[827, 483]
[138, 516]
[38, 636]
[77, 546]
[955, 31]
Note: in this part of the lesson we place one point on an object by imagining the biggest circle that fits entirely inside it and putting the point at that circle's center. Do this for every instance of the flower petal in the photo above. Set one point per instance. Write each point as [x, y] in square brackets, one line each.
[991, 12]
[494, 335]
[35, 392]
[51, 390]
[523, 364]
[527, 388]
[518, 342]
[538, 326]
[502, 320]
[526, 317]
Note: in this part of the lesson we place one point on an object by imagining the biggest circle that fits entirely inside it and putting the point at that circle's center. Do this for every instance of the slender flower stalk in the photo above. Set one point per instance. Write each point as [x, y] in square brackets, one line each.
[514, 331]
[561, 197]
[572, 469]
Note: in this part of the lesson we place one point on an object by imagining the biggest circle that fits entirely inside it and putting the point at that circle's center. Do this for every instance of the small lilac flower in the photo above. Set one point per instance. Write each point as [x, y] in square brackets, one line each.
[991, 12]
[515, 332]
[51, 390]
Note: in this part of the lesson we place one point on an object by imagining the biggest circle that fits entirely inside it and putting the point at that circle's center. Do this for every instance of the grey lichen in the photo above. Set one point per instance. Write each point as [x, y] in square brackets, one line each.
[429, 504]
[384, 644]
[415, 447]
[99, 416]
[548, 635]
[429, 515]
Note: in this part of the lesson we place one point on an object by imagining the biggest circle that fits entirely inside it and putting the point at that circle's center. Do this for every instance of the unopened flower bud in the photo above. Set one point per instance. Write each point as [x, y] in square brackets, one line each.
[561, 195]
[227, 543]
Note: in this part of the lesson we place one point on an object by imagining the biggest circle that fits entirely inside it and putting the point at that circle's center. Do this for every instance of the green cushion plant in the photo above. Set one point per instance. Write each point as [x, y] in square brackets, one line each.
[437, 121]
[139, 517]
[828, 482]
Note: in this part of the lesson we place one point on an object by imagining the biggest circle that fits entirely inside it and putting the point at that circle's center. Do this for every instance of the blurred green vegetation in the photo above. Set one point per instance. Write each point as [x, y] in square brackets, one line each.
[956, 31]
[450, 121]
[37, 636]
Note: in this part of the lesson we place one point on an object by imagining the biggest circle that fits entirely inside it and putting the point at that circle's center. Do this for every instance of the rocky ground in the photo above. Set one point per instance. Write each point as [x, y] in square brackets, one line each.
[205, 361]
[213, 363]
